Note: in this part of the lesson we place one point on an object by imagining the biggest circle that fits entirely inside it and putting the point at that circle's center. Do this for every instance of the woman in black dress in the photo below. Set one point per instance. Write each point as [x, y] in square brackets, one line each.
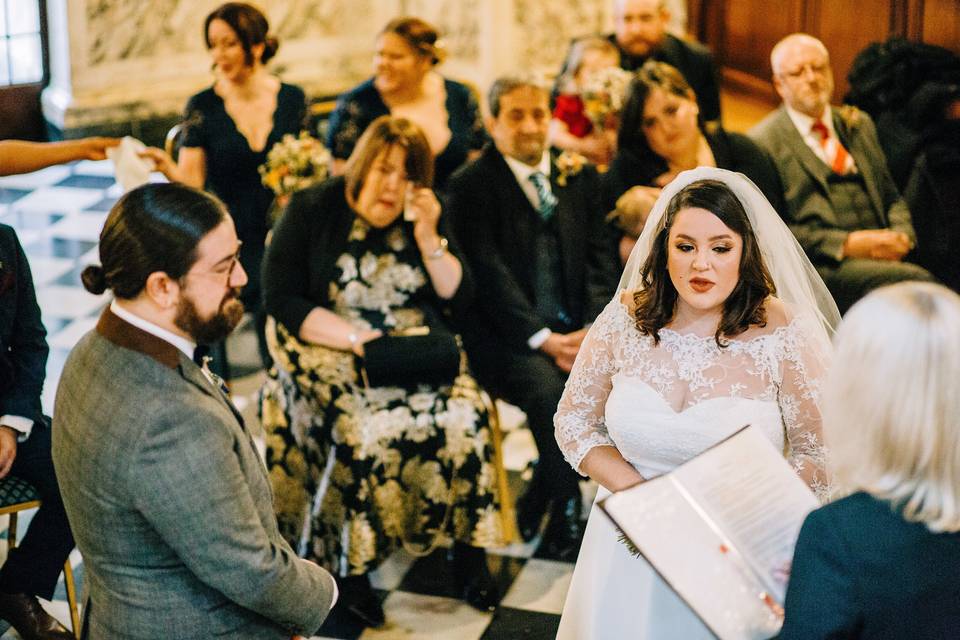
[360, 467]
[230, 127]
[661, 134]
[406, 85]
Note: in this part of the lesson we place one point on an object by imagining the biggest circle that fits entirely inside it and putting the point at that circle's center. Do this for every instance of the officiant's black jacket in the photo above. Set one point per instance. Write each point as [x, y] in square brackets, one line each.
[861, 571]
[497, 229]
[23, 345]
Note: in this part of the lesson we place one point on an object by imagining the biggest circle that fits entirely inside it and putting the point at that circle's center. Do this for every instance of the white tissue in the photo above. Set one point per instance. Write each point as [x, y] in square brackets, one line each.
[130, 169]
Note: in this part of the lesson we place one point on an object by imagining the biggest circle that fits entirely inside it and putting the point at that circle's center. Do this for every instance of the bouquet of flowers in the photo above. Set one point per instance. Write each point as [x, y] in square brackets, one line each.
[294, 163]
[603, 95]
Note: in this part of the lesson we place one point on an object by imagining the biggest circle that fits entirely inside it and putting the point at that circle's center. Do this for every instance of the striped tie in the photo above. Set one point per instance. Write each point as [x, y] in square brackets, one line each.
[837, 157]
[548, 201]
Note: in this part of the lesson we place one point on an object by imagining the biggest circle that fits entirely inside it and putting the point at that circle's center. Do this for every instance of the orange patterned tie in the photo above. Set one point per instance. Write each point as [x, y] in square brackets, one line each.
[836, 154]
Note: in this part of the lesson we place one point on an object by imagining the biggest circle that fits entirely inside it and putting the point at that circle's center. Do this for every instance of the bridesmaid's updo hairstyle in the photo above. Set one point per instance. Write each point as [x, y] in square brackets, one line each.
[251, 28]
[420, 35]
[656, 301]
[153, 228]
[382, 134]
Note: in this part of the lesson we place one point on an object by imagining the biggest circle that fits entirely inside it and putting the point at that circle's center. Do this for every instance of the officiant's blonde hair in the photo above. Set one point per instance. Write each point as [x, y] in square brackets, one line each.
[891, 403]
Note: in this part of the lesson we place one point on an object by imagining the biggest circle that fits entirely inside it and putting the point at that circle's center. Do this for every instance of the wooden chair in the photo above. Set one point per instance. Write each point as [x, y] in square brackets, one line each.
[16, 495]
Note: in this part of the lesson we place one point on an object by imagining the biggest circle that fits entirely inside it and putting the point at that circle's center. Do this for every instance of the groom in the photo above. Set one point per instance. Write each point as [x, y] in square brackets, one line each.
[168, 498]
[533, 234]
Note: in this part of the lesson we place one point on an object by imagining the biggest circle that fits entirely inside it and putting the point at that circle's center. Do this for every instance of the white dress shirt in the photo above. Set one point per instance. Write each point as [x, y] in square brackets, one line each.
[522, 172]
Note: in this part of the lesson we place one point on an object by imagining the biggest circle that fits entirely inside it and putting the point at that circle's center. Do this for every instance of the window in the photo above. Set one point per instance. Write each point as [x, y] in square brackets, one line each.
[21, 45]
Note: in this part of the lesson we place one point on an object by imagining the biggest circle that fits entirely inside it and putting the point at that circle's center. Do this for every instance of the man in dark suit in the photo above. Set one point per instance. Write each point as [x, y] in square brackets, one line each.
[167, 495]
[640, 33]
[32, 569]
[533, 234]
[842, 203]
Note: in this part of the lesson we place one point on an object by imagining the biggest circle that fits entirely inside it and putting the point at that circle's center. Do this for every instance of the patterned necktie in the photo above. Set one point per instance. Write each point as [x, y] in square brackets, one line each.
[548, 201]
[837, 156]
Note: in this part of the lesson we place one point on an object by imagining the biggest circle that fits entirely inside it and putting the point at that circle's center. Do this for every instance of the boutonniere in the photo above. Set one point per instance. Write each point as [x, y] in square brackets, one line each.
[569, 163]
[850, 116]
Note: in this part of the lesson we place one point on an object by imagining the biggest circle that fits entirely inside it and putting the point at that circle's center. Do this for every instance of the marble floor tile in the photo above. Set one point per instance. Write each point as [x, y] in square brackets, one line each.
[541, 586]
[67, 337]
[68, 302]
[412, 616]
[58, 199]
[43, 178]
[45, 270]
[79, 226]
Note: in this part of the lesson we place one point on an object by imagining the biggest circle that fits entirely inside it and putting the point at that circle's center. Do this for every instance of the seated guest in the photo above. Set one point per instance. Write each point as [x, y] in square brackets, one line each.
[534, 238]
[841, 202]
[883, 561]
[661, 134]
[399, 462]
[32, 569]
[640, 33]
[166, 493]
[570, 128]
[405, 84]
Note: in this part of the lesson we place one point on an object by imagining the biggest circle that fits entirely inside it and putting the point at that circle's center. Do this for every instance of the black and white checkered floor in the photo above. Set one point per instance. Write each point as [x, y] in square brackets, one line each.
[58, 214]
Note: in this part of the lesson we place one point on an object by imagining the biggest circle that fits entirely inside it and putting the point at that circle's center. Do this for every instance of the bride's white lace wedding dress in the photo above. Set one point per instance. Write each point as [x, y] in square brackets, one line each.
[660, 405]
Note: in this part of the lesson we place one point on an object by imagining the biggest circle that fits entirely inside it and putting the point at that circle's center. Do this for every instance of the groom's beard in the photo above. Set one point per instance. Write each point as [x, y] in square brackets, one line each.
[215, 328]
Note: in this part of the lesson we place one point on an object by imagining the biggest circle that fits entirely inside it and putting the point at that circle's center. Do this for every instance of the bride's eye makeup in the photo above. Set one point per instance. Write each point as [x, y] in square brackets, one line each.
[686, 247]
[723, 248]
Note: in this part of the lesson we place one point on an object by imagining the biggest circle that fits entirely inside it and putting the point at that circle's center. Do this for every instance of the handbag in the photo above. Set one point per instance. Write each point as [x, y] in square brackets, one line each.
[414, 357]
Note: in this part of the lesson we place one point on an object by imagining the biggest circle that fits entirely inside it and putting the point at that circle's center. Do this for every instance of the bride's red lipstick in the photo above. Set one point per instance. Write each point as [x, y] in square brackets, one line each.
[700, 285]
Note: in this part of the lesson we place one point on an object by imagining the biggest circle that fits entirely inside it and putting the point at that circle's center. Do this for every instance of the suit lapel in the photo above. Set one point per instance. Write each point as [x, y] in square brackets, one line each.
[861, 156]
[808, 159]
[194, 375]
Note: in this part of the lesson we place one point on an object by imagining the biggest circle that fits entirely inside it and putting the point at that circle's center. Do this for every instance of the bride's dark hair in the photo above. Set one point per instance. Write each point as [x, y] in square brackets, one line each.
[656, 301]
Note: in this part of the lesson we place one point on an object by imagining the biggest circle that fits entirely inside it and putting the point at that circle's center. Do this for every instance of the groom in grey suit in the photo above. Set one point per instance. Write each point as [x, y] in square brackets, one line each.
[167, 495]
[842, 203]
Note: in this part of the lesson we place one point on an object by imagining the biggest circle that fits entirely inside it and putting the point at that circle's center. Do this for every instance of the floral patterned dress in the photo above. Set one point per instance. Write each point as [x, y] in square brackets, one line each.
[359, 471]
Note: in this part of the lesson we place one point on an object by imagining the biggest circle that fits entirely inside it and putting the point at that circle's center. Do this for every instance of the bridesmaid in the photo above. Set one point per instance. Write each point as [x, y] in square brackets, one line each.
[228, 130]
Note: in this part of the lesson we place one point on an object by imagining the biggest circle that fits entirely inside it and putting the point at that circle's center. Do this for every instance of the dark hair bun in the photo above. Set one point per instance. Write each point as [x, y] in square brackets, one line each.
[94, 279]
[270, 46]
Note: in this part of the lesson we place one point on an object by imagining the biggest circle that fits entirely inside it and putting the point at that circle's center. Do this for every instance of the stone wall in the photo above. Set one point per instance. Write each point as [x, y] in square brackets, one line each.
[117, 65]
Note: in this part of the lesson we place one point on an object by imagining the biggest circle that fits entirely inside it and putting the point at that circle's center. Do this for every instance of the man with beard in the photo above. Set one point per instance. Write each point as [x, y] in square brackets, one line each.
[533, 234]
[168, 498]
[640, 33]
[842, 203]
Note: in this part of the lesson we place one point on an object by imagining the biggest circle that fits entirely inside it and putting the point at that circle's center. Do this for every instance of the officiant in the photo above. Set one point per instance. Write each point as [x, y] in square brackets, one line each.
[392, 448]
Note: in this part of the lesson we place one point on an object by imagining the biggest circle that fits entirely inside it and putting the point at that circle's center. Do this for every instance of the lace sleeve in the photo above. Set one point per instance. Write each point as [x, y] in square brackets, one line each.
[579, 422]
[804, 368]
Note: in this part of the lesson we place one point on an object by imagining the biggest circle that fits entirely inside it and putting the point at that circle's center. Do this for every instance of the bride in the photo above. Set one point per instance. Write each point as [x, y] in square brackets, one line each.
[720, 321]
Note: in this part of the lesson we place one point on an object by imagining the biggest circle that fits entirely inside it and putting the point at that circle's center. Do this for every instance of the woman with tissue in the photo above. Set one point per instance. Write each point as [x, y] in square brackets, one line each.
[228, 130]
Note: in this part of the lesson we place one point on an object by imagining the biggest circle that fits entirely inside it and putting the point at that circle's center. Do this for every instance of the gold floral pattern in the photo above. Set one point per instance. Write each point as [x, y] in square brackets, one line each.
[358, 471]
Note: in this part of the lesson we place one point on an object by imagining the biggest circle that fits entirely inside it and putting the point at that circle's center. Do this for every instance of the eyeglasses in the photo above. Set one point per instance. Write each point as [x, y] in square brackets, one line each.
[224, 271]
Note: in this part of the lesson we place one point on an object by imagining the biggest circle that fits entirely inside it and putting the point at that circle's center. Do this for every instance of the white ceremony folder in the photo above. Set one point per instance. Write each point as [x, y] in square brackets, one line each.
[720, 530]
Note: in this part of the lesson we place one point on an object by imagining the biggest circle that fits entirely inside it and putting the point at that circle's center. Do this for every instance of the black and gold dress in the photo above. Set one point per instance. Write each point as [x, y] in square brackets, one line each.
[358, 471]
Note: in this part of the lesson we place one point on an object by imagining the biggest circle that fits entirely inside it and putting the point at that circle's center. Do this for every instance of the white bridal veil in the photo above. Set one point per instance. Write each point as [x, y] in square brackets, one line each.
[798, 284]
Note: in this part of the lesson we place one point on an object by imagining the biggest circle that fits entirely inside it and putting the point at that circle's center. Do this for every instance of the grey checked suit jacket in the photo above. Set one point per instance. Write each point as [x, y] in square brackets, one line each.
[804, 176]
[169, 501]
